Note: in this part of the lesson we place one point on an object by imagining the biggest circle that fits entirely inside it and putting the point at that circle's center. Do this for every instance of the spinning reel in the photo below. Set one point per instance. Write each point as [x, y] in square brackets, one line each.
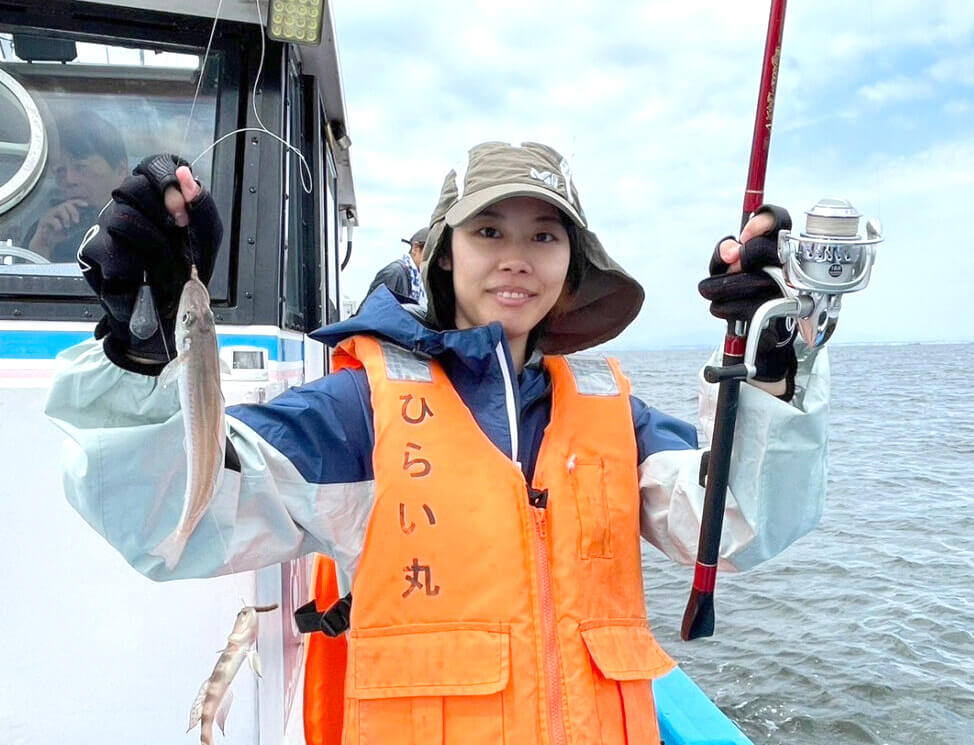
[829, 259]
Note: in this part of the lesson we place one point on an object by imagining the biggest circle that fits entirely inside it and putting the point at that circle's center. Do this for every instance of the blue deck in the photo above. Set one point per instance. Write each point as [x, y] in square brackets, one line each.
[688, 717]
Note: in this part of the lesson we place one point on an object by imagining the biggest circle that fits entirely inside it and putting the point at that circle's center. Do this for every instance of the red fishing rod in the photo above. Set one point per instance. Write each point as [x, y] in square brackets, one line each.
[698, 618]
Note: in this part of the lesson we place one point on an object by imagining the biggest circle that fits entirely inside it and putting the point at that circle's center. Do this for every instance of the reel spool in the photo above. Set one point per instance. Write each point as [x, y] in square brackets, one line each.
[829, 259]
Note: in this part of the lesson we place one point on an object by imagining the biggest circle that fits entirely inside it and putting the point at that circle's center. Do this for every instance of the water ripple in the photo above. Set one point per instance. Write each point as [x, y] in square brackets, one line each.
[863, 631]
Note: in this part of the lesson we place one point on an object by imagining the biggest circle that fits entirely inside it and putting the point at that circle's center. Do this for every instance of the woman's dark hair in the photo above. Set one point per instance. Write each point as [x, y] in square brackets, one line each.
[443, 301]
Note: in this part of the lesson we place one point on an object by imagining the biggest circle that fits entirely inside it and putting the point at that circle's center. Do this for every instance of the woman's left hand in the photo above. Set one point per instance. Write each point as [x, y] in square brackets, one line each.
[761, 224]
[738, 286]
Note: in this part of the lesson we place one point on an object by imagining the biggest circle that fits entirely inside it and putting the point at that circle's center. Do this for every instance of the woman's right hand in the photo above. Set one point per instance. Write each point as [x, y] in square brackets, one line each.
[159, 222]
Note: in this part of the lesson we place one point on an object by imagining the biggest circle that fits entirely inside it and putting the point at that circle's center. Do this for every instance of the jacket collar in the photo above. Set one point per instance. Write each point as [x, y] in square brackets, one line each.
[383, 315]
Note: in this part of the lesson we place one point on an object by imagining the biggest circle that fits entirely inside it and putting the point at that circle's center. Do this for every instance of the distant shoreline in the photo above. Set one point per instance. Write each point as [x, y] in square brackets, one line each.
[708, 347]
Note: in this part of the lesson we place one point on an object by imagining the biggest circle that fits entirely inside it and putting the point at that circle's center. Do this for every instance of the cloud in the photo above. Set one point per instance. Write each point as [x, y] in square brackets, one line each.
[957, 107]
[898, 89]
[653, 102]
[955, 70]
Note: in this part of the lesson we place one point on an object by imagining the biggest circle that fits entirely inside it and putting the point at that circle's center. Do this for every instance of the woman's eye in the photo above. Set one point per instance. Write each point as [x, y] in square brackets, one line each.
[544, 237]
[489, 233]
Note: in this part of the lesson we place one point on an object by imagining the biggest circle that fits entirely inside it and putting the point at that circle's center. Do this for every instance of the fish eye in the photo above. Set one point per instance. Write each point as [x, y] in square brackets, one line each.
[189, 318]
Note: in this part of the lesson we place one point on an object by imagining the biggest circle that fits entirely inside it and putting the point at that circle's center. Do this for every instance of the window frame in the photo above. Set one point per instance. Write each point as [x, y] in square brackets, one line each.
[301, 271]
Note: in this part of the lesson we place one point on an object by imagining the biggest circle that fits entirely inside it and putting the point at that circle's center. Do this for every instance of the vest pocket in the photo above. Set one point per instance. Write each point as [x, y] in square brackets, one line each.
[626, 659]
[593, 508]
[428, 684]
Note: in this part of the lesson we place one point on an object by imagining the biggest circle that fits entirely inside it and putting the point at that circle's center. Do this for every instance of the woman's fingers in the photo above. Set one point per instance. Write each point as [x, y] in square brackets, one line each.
[730, 254]
[187, 184]
[757, 225]
[177, 199]
[730, 250]
[176, 206]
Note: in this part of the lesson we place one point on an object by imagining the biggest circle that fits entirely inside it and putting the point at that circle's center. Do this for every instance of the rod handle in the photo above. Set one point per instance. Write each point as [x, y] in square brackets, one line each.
[698, 618]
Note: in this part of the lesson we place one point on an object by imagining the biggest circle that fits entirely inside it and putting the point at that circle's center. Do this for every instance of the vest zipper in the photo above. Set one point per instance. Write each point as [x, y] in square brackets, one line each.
[552, 656]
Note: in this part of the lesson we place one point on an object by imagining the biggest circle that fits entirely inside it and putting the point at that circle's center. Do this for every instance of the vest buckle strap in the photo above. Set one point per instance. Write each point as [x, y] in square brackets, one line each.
[333, 622]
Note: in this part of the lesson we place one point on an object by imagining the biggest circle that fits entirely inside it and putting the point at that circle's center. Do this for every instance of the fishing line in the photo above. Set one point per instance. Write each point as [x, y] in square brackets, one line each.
[199, 83]
[306, 184]
[206, 54]
[307, 179]
[876, 179]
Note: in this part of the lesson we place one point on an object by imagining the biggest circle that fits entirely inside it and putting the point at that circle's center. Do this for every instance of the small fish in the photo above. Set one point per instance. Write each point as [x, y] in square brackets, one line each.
[197, 370]
[213, 701]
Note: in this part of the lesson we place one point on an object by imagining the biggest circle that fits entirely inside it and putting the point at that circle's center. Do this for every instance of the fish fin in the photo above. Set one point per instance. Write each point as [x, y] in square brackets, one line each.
[196, 711]
[171, 371]
[254, 661]
[171, 548]
[223, 709]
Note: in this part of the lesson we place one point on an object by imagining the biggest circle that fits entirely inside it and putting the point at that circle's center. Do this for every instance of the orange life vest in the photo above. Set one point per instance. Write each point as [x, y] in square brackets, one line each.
[477, 617]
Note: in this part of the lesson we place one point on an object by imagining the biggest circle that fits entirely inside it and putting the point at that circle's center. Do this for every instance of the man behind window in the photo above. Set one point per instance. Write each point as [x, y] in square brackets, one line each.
[92, 162]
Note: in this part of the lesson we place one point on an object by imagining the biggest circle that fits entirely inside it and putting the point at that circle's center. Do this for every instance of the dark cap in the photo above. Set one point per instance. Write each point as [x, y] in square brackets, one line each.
[418, 237]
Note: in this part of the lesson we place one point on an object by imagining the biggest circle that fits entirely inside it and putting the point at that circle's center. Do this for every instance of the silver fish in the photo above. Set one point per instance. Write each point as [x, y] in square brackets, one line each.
[197, 371]
[213, 701]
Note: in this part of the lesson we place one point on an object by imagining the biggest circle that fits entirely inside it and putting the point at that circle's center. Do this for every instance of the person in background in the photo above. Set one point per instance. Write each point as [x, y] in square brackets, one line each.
[93, 161]
[402, 276]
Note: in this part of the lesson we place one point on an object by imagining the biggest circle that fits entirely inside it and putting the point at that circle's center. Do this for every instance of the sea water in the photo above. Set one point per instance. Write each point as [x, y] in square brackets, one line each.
[862, 631]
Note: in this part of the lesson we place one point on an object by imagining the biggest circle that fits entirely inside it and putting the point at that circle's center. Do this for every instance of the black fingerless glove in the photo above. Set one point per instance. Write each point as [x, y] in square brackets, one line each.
[737, 296]
[137, 241]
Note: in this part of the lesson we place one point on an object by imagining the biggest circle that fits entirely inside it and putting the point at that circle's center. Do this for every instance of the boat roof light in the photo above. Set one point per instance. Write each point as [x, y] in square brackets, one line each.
[295, 21]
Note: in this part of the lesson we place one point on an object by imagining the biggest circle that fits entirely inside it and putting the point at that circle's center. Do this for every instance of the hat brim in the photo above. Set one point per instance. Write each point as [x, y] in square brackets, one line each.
[473, 204]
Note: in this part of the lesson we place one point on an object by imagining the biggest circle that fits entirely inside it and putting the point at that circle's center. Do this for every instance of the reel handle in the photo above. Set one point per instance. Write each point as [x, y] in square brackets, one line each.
[715, 374]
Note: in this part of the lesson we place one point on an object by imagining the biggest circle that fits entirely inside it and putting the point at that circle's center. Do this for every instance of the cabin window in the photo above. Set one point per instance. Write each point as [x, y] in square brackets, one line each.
[71, 129]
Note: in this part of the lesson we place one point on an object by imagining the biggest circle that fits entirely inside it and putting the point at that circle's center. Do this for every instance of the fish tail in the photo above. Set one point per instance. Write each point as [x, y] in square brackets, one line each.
[171, 548]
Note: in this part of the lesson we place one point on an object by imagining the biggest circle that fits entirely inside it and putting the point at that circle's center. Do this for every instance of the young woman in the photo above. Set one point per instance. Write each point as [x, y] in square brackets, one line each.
[484, 492]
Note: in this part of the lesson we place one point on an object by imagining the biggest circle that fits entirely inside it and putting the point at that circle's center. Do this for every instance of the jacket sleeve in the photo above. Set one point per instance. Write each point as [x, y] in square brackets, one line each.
[776, 489]
[303, 482]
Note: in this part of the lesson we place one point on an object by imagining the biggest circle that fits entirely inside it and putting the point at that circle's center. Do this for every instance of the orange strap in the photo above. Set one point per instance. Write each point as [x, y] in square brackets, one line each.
[324, 672]
[639, 709]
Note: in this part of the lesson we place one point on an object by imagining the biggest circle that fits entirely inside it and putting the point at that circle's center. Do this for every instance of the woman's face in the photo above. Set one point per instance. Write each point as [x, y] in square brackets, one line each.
[509, 264]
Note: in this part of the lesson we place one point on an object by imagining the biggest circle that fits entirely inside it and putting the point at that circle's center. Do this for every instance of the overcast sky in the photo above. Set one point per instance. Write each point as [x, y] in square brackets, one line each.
[653, 103]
